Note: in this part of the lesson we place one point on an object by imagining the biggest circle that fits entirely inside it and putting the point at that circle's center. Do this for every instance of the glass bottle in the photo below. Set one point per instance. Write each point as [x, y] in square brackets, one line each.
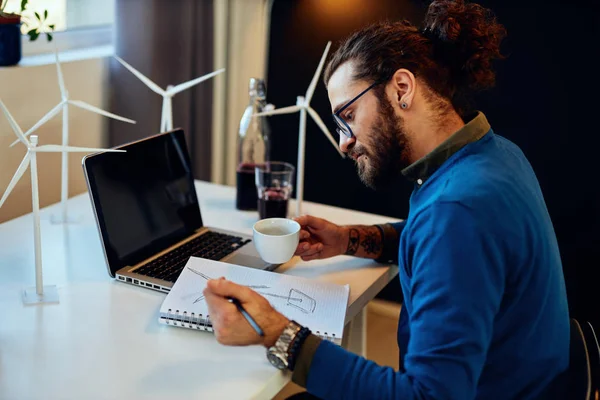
[252, 145]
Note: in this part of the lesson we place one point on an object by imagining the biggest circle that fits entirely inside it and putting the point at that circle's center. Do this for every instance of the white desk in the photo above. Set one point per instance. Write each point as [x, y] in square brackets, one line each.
[103, 341]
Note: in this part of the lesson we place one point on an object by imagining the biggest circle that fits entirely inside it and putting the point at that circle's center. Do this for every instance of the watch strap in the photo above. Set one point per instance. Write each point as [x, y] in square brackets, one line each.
[294, 348]
[282, 344]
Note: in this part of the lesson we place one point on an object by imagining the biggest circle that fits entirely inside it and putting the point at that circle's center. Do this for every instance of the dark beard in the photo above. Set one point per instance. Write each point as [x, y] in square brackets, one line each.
[388, 150]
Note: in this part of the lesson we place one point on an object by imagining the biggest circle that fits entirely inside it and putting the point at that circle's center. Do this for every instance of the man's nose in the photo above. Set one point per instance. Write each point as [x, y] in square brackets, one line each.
[346, 143]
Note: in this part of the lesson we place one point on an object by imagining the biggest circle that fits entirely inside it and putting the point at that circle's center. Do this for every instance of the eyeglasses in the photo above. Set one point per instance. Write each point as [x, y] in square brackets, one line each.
[342, 126]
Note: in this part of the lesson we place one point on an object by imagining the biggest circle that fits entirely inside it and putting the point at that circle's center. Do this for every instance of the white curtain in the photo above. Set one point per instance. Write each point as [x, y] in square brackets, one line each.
[241, 44]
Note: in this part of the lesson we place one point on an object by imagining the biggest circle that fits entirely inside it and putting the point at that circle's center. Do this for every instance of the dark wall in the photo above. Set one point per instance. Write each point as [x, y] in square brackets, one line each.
[545, 101]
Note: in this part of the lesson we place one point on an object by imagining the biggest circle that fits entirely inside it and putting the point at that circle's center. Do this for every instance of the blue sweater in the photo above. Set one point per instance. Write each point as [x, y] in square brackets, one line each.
[485, 313]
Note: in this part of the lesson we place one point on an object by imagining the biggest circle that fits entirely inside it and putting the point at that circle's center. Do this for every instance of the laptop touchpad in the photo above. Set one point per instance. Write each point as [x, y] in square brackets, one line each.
[248, 260]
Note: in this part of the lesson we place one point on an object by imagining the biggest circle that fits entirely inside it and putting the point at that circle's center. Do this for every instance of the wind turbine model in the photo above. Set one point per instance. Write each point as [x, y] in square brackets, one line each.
[41, 293]
[166, 119]
[64, 106]
[303, 106]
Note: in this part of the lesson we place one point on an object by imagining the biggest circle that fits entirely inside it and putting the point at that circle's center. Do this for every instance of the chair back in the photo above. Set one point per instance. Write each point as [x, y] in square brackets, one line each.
[584, 364]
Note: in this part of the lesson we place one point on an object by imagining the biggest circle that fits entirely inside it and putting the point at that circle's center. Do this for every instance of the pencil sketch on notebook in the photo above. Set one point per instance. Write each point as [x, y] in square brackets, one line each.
[295, 298]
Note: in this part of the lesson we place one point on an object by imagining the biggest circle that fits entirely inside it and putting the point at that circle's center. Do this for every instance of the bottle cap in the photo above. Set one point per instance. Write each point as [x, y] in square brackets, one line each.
[257, 88]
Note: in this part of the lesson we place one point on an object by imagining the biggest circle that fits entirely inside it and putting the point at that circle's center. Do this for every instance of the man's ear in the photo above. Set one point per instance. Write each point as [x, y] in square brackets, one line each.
[404, 86]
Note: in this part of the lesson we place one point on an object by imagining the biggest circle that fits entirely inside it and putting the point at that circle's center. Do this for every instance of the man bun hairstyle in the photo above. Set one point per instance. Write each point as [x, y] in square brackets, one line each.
[452, 53]
[470, 35]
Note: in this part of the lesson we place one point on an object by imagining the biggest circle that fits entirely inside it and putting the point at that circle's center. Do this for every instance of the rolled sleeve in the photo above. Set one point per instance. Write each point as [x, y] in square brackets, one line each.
[391, 242]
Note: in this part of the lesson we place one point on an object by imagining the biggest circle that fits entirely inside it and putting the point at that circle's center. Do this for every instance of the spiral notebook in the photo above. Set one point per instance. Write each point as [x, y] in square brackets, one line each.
[321, 306]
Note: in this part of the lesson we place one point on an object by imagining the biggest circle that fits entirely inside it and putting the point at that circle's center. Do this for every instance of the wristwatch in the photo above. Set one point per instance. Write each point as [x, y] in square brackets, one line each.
[278, 353]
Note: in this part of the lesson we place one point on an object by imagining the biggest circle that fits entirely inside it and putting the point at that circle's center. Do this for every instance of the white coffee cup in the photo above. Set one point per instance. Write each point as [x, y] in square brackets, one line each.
[276, 239]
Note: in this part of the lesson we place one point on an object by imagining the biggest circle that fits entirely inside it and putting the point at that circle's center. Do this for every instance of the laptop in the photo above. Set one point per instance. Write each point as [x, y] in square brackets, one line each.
[148, 215]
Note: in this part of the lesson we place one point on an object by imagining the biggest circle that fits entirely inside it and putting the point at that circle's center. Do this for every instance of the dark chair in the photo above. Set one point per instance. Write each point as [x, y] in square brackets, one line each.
[584, 368]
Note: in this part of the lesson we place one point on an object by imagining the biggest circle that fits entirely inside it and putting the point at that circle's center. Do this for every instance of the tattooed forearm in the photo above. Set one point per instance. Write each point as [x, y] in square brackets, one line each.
[353, 240]
[364, 241]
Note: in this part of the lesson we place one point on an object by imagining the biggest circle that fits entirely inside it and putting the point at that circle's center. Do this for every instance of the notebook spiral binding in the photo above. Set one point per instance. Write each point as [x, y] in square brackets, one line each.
[187, 320]
[324, 335]
[202, 323]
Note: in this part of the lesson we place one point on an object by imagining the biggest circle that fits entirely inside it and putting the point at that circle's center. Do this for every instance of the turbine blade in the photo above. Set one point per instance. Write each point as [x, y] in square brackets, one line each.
[323, 127]
[153, 86]
[186, 85]
[14, 125]
[51, 114]
[313, 84]
[61, 79]
[55, 148]
[284, 110]
[97, 110]
[20, 171]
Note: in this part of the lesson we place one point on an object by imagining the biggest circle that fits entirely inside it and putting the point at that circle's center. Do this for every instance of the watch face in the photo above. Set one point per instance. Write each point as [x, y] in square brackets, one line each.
[275, 360]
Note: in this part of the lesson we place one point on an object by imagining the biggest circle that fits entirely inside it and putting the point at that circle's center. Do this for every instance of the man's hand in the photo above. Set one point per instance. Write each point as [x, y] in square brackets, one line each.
[230, 326]
[320, 238]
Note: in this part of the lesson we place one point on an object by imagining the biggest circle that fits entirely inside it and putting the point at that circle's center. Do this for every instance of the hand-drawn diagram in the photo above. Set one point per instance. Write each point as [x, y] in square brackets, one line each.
[295, 297]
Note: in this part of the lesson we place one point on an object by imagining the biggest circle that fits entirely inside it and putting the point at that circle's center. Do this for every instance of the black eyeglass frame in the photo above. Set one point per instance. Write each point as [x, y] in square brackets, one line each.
[342, 126]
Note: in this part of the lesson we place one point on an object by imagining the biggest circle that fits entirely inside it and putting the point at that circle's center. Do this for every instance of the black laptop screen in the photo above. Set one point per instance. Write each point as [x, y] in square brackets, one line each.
[144, 199]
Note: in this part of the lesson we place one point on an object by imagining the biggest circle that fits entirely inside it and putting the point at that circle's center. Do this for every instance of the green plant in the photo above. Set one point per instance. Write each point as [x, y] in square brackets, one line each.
[34, 23]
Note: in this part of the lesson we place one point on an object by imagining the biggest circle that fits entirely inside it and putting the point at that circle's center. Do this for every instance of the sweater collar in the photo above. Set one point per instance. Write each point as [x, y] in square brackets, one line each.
[422, 169]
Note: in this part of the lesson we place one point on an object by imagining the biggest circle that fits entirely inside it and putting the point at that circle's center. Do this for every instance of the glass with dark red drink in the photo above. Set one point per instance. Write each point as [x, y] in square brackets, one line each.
[246, 187]
[274, 187]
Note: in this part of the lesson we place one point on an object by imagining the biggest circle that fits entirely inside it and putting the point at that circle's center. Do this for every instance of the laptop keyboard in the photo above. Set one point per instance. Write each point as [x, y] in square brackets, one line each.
[211, 245]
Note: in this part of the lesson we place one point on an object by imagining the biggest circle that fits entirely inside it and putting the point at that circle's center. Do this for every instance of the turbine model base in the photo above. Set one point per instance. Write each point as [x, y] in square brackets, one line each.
[49, 295]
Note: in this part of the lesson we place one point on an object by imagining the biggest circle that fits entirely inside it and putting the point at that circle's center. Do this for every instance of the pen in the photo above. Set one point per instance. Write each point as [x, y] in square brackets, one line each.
[250, 320]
